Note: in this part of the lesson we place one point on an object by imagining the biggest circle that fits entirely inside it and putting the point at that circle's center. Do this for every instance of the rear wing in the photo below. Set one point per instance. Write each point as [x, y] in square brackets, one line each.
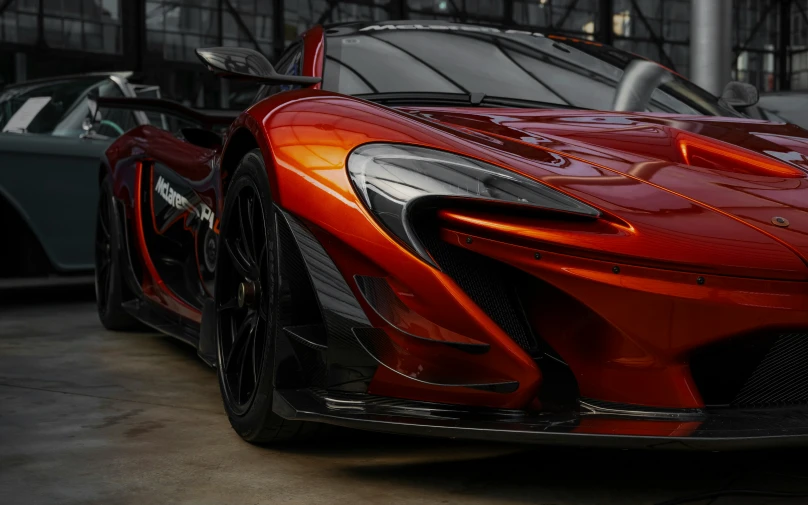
[207, 119]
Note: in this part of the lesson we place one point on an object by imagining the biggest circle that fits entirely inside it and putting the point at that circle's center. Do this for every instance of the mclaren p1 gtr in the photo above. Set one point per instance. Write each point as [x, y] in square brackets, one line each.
[466, 231]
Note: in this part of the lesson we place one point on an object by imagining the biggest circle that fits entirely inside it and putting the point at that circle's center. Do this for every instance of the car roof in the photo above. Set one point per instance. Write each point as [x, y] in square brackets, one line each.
[120, 74]
[414, 24]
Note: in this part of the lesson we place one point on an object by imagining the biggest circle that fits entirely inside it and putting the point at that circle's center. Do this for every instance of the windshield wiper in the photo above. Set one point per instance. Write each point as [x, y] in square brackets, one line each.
[427, 98]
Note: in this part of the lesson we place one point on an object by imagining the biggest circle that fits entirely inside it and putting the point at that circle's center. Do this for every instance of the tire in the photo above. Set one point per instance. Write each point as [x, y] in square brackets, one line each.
[245, 298]
[109, 285]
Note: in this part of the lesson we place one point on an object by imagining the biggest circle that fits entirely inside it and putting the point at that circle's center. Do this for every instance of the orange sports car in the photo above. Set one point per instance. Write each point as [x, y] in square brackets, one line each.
[469, 231]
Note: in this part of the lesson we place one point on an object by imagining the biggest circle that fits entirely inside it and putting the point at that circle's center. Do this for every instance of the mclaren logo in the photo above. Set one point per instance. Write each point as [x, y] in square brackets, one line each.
[176, 200]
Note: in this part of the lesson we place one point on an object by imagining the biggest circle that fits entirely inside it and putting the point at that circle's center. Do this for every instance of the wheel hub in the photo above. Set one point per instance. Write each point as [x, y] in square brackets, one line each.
[247, 293]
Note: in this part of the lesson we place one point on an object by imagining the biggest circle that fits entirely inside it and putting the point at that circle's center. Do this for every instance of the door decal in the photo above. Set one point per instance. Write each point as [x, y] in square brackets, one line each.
[172, 200]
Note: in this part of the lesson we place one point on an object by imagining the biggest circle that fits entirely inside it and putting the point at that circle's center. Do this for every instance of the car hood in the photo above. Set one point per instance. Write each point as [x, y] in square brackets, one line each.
[752, 175]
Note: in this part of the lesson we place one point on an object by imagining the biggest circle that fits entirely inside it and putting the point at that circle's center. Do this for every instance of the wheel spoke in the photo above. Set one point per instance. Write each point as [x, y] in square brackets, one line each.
[229, 304]
[241, 264]
[245, 265]
[244, 241]
[254, 359]
[239, 339]
[241, 372]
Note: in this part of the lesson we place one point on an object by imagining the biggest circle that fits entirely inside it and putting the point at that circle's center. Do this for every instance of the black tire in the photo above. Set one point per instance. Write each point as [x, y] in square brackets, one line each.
[109, 285]
[245, 298]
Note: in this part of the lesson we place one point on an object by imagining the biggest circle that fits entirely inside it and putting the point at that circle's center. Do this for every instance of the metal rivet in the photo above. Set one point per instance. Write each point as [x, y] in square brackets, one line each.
[780, 221]
[616, 269]
[537, 256]
[700, 280]
[468, 240]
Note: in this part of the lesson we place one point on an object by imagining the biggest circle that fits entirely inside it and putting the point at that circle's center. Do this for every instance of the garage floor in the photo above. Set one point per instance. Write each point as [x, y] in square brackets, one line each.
[89, 416]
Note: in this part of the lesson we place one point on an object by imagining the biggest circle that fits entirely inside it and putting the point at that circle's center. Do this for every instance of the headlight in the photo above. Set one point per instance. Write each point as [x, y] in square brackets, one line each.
[390, 178]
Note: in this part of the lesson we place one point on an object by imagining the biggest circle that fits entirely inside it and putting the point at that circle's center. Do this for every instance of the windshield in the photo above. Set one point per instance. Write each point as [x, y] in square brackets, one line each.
[447, 58]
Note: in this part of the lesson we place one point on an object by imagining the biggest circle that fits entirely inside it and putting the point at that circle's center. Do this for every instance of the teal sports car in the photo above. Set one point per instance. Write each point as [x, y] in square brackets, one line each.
[52, 135]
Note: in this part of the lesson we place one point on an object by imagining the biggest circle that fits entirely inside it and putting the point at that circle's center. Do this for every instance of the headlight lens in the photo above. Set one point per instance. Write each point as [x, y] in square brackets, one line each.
[390, 178]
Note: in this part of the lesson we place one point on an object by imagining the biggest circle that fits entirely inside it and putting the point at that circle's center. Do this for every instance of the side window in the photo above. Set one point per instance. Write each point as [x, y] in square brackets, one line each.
[54, 108]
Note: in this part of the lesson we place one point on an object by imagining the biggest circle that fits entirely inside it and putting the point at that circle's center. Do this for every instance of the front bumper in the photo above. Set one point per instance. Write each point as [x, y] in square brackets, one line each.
[713, 429]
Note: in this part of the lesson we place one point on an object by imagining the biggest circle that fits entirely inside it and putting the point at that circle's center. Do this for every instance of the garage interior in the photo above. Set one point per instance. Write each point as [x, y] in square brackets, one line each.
[89, 416]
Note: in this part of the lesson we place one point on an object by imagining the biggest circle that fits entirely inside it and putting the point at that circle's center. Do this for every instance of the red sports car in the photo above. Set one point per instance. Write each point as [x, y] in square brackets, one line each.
[469, 231]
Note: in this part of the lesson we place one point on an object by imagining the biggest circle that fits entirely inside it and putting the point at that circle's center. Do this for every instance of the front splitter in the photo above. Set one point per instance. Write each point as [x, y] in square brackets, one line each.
[715, 429]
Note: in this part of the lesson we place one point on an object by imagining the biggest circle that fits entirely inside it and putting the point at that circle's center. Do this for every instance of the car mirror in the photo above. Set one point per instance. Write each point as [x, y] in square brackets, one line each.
[740, 94]
[247, 64]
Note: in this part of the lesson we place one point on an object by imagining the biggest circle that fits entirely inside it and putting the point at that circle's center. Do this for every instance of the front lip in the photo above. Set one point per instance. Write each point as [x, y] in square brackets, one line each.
[720, 429]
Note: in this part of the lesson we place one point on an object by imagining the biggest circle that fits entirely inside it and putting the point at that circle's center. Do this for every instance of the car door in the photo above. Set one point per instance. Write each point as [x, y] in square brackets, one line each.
[179, 214]
[52, 183]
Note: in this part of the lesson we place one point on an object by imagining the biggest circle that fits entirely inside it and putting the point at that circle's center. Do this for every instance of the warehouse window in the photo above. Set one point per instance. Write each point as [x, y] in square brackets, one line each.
[82, 25]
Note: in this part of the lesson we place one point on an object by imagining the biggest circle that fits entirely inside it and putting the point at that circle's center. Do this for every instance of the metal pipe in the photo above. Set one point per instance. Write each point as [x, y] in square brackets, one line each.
[20, 67]
[711, 43]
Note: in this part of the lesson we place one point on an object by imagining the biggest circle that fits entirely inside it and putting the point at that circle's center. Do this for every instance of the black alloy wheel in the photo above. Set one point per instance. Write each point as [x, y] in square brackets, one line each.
[103, 252]
[245, 299]
[244, 296]
[109, 288]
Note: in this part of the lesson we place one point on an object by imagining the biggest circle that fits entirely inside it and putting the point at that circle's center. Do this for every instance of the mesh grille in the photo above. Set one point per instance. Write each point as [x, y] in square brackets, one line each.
[781, 378]
[485, 281]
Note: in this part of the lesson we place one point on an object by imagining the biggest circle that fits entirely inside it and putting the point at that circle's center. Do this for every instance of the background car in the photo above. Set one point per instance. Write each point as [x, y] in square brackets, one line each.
[52, 135]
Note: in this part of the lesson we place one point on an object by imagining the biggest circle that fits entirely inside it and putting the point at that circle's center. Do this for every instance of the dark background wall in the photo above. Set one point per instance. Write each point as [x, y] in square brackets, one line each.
[40, 38]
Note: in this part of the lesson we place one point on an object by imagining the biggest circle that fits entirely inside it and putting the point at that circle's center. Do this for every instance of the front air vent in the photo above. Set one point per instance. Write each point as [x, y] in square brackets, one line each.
[767, 370]
[782, 377]
[486, 282]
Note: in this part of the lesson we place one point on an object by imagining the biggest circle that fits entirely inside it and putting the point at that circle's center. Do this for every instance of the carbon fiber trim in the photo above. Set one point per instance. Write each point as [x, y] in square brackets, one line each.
[722, 428]
[781, 378]
[589, 406]
[310, 335]
[349, 366]
[376, 342]
[381, 297]
[298, 362]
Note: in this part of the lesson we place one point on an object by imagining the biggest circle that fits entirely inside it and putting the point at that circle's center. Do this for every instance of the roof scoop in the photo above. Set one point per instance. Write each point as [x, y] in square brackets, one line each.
[247, 64]
[640, 79]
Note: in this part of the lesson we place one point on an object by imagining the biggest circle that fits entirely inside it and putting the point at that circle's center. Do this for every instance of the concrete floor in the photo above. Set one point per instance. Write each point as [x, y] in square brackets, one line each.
[90, 416]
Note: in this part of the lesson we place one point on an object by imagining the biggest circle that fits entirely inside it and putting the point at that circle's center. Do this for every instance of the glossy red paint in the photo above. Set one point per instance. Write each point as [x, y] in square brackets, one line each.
[710, 154]
[664, 223]
[408, 320]
[647, 320]
[314, 52]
